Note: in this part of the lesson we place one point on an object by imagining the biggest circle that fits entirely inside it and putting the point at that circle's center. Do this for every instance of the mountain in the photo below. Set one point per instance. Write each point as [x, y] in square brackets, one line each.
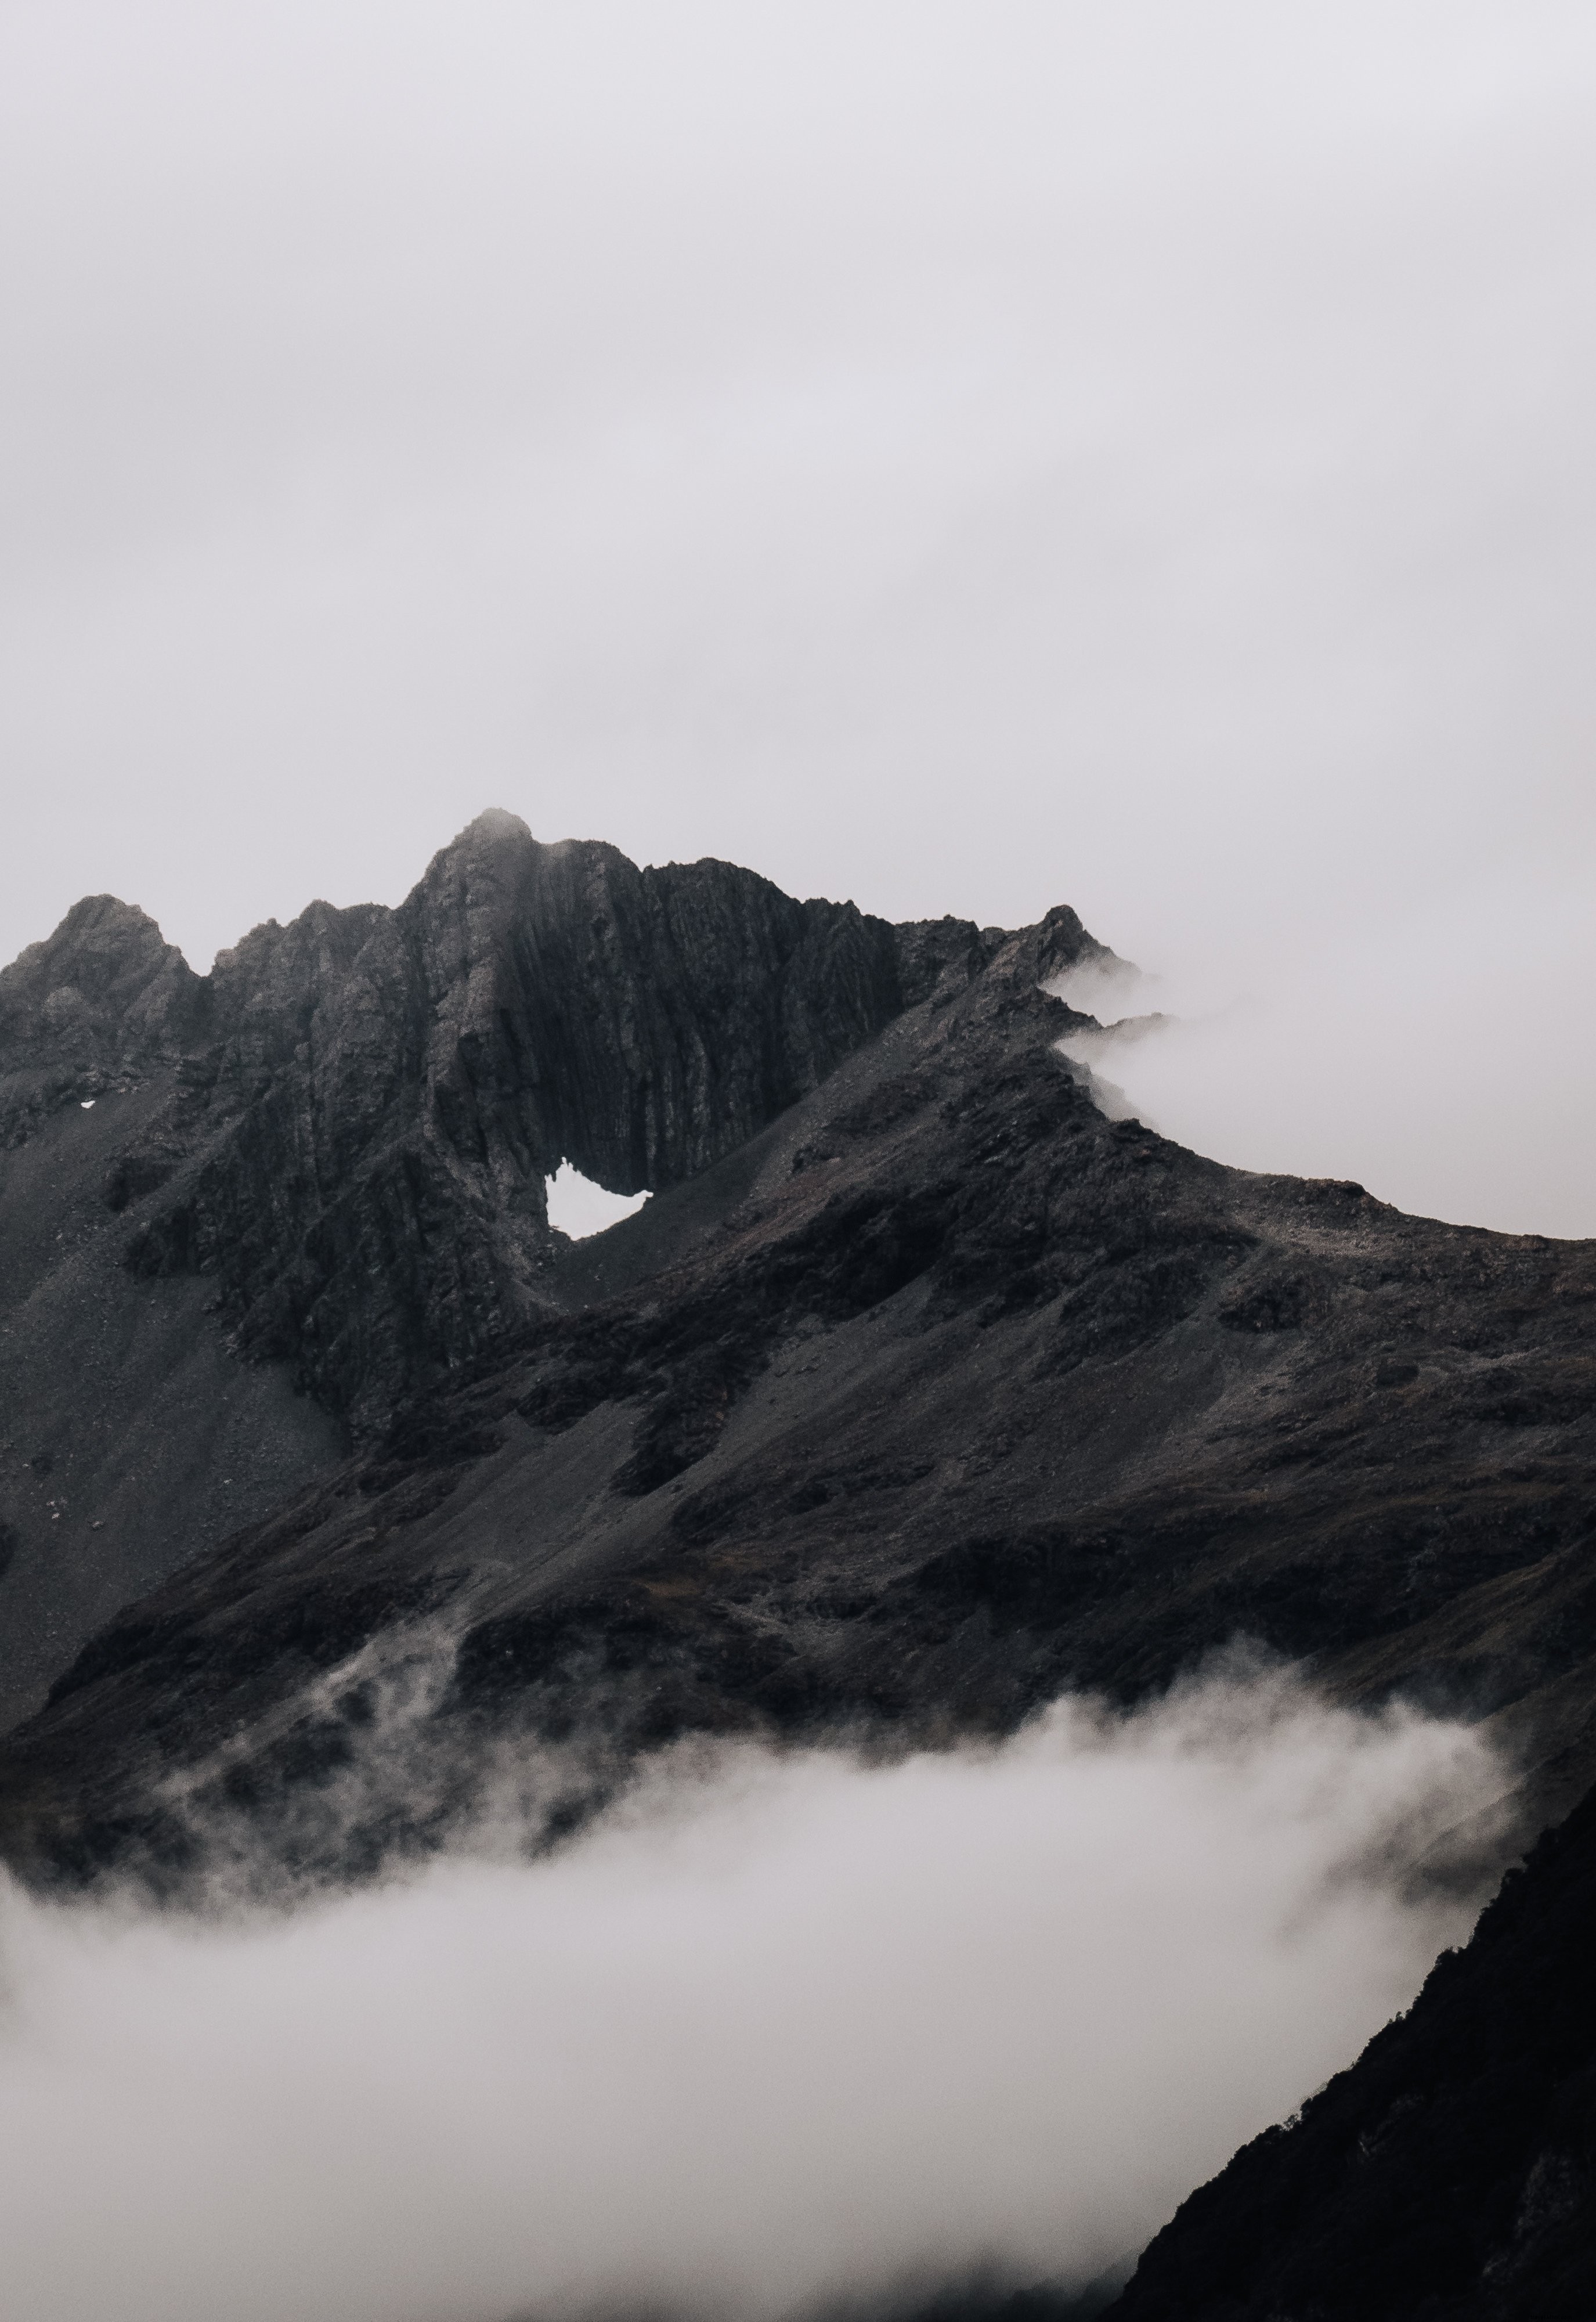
[919, 1391]
[1451, 2173]
[259, 1208]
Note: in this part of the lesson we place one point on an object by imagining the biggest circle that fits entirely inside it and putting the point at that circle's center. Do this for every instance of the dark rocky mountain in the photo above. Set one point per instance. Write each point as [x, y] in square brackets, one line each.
[328, 1157]
[919, 1391]
[1452, 2173]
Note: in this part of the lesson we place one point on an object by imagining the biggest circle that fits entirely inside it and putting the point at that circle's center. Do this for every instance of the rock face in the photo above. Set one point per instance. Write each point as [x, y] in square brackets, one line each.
[366, 1104]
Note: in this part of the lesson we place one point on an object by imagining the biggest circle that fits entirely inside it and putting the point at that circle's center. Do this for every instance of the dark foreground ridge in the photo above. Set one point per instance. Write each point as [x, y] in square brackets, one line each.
[919, 1391]
[1452, 2173]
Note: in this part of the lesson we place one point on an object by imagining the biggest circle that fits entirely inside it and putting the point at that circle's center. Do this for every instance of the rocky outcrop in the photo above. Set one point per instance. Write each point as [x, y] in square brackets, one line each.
[327, 1159]
[365, 1104]
[384, 1094]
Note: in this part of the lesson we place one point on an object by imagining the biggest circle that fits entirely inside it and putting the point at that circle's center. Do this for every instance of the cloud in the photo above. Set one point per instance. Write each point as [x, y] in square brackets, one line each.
[1440, 1059]
[778, 2029]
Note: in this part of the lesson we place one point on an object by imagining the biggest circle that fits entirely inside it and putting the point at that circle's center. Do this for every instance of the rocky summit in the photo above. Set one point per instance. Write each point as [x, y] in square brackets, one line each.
[919, 1391]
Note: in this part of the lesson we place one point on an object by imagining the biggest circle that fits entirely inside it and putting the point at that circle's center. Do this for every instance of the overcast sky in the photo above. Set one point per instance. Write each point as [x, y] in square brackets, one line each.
[963, 457]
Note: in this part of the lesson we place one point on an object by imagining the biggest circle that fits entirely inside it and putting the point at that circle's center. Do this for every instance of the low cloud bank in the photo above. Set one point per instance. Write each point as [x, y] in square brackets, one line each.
[778, 2030]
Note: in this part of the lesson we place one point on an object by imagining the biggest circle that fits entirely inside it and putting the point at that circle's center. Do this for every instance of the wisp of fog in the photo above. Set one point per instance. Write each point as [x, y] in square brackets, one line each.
[1438, 1058]
[778, 2028]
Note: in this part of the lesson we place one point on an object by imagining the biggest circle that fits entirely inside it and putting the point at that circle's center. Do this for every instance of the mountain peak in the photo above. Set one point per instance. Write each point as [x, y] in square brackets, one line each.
[495, 822]
[98, 999]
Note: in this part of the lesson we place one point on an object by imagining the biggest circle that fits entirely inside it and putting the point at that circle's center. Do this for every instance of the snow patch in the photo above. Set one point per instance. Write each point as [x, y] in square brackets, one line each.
[578, 1207]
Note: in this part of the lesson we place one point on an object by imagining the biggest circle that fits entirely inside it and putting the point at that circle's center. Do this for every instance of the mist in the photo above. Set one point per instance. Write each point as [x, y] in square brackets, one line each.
[1440, 1059]
[779, 2028]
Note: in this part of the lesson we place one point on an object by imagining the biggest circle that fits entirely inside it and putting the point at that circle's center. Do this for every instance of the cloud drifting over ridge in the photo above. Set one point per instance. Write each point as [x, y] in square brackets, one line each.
[778, 2029]
[1441, 1059]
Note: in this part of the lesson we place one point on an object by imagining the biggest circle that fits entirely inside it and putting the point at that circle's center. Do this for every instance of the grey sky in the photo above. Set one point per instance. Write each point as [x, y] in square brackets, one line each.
[963, 457]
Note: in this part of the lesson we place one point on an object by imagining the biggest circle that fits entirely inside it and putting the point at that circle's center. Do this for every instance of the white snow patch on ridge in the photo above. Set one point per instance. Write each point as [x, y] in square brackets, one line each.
[578, 1207]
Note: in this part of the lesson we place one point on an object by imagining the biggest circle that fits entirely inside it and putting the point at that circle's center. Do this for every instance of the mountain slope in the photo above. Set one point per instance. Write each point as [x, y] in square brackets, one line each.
[330, 1156]
[919, 1391]
[937, 1394]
